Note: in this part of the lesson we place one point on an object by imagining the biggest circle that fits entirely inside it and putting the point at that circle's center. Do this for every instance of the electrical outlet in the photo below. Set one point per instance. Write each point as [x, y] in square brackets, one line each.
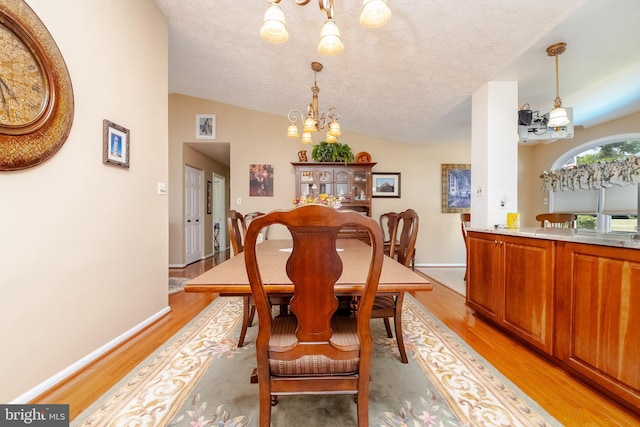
[480, 191]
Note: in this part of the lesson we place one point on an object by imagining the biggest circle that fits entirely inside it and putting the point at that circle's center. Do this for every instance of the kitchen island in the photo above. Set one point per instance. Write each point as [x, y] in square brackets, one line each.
[573, 296]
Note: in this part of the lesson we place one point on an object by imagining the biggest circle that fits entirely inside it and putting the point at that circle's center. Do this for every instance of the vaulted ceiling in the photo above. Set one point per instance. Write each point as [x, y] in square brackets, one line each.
[411, 80]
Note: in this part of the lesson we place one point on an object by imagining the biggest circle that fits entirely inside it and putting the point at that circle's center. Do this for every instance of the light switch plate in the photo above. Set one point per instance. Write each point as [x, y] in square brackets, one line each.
[162, 188]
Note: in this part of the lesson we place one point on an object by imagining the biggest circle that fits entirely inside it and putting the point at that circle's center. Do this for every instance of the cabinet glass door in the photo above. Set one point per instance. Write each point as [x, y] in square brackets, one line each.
[307, 183]
[325, 182]
[342, 183]
[360, 190]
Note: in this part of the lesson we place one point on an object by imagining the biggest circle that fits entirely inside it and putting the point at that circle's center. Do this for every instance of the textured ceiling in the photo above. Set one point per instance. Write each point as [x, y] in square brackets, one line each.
[411, 80]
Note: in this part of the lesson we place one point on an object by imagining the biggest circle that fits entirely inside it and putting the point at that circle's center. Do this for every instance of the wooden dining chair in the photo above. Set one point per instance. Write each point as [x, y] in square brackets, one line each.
[557, 220]
[237, 231]
[403, 243]
[250, 217]
[315, 350]
[281, 301]
[465, 219]
[387, 221]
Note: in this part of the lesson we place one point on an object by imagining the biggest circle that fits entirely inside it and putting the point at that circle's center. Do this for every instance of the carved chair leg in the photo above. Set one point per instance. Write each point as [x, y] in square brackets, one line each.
[397, 321]
[387, 326]
[252, 313]
[246, 309]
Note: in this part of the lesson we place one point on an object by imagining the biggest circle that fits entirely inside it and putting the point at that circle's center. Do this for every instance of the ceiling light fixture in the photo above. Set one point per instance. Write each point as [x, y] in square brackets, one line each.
[558, 116]
[314, 121]
[374, 14]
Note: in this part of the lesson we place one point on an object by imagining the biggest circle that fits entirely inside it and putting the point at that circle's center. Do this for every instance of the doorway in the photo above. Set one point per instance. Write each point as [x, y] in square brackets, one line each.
[193, 211]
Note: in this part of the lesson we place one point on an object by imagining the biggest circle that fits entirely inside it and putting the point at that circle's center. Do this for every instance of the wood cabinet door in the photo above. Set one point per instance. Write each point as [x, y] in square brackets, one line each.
[528, 289]
[483, 275]
[598, 316]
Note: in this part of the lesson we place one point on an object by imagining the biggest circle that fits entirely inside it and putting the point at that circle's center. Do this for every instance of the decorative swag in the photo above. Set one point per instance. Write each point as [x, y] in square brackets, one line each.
[618, 172]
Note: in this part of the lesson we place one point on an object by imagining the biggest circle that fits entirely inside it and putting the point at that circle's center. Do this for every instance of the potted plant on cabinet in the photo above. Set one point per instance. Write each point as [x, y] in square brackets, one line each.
[335, 152]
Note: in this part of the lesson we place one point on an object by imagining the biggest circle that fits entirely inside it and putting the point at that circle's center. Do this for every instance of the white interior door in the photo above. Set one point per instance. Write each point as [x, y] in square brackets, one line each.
[193, 212]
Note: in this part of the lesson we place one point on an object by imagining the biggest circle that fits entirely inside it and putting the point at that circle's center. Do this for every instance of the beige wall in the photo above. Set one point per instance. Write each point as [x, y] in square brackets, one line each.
[538, 158]
[257, 137]
[84, 246]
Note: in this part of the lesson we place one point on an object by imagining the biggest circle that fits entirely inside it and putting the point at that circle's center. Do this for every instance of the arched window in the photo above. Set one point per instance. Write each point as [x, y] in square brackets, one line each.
[606, 209]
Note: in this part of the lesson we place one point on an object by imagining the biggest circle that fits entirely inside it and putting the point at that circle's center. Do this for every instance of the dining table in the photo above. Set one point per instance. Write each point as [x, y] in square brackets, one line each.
[229, 278]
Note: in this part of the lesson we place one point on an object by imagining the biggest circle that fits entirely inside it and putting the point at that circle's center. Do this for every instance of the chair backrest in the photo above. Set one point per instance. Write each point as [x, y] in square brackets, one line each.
[237, 231]
[250, 217]
[404, 236]
[557, 220]
[313, 267]
[465, 219]
[387, 222]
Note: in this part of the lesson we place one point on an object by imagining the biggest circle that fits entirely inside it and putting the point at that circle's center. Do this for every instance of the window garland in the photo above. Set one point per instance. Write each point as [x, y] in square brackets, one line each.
[619, 172]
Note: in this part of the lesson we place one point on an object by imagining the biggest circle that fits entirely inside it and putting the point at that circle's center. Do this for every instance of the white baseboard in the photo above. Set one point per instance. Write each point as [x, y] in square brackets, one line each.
[440, 265]
[46, 385]
[203, 258]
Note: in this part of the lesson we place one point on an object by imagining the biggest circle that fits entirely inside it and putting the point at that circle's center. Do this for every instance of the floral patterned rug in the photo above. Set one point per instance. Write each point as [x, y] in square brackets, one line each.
[201, 378]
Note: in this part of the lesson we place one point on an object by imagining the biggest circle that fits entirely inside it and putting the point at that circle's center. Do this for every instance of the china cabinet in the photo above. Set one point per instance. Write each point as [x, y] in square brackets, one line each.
[352, 180]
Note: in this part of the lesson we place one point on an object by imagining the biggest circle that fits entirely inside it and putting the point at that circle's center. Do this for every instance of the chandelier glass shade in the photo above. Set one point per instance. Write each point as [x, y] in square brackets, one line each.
[374, 14]
[274, 28]
[314, 121]
[558, 116]
[330, 41]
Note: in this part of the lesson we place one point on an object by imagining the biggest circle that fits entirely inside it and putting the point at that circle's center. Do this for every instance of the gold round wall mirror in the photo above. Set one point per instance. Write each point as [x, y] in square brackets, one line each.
[36, 96]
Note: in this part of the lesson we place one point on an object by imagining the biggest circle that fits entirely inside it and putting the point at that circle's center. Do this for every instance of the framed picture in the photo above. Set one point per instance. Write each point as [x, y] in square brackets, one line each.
[205, 126]
[261, 180]
[456, 188]
[386, 184]
[209, 197]
[115, 144]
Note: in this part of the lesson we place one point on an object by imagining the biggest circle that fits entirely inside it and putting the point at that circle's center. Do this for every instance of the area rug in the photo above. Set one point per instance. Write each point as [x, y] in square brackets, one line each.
[176, 284]
[202, 378]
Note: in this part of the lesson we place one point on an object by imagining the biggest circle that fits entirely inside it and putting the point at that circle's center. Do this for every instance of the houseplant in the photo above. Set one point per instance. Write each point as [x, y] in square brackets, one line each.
[336, 152]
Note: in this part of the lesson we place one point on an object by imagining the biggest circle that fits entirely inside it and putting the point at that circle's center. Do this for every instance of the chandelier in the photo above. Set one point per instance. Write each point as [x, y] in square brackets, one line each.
[374, 14]
[314, 121]
[558, 116]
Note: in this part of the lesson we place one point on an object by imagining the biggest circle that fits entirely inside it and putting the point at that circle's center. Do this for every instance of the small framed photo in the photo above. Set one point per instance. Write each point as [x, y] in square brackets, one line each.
[116, 144]
[456, 188]
[386, 184]
[205, 126]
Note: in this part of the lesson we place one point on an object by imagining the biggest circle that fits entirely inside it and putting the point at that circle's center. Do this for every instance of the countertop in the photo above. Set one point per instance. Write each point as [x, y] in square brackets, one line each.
[569, 235]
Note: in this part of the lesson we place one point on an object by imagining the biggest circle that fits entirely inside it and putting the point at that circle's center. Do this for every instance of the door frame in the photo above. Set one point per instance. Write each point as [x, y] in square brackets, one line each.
[219, 209]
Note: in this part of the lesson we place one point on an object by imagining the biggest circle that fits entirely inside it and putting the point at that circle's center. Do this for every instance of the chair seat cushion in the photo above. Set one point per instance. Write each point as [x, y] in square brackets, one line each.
[384, 301]
[283, 337]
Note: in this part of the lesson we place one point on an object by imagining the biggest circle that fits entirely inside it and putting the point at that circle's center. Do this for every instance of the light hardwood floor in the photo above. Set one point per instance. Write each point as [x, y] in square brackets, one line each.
[568, 400]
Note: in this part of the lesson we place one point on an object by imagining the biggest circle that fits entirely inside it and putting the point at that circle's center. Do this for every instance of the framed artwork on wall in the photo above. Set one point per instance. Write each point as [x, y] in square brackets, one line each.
[261, 180]
[115, 144]
[386, 184]
[205, 126]
[456, 188]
